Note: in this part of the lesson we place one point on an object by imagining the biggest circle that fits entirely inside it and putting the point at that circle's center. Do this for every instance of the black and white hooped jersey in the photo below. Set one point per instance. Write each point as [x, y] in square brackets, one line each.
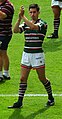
[34, 38]
[6, 24]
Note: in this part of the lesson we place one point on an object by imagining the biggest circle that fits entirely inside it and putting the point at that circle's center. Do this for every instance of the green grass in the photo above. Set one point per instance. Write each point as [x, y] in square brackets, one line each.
[33, 107]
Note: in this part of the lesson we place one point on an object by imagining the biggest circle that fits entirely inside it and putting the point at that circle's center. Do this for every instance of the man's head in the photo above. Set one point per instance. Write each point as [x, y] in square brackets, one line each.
[35, 6]
[34, 11]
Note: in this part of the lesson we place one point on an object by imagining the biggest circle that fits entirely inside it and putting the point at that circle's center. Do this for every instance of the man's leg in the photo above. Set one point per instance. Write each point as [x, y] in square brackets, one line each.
[56, 22]
[6, 74]
[47, 85]
[1, 65]
[22, 87]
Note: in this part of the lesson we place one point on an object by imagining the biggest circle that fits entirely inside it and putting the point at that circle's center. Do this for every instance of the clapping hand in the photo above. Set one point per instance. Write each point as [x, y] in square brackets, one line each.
[21, 12]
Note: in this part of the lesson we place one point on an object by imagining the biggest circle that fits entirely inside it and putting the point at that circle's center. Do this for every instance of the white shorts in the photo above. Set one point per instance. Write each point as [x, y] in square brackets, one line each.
[58, 3]
[33, 60]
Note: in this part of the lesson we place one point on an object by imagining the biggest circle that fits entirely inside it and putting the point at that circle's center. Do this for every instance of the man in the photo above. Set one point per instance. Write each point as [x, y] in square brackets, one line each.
[33, 56]
[6, 15]
[56, 8]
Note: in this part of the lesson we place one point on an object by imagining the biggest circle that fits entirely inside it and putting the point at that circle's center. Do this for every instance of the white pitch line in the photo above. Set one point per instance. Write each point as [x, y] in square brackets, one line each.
[29, 95]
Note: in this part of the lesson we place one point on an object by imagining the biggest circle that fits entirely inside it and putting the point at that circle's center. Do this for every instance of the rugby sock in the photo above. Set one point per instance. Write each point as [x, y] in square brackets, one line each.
[47, 86]
[56, 26]
[6, 73]
[1, 74]
[22, 89]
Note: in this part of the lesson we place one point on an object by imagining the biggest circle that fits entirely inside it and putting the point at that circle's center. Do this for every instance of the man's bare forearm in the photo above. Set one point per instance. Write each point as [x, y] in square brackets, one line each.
[29, 23]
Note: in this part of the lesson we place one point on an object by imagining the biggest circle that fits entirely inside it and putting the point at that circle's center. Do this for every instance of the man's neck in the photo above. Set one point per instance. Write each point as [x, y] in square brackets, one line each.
[33, 21]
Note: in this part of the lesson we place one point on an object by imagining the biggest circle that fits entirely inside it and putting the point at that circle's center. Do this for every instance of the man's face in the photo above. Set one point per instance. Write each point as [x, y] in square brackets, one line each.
[34, 13]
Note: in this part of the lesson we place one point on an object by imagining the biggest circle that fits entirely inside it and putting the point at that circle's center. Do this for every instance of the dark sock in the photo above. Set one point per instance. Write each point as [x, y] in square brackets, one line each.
[56, 26]
[22, 90]
[47, 86]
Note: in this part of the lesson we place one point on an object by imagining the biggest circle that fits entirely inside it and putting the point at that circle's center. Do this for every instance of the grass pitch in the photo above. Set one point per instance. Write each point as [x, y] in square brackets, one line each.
[33, 107]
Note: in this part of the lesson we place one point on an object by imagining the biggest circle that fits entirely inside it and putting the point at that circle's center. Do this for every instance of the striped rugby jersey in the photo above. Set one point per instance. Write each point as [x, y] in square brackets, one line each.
[34, 38]
[6, 24]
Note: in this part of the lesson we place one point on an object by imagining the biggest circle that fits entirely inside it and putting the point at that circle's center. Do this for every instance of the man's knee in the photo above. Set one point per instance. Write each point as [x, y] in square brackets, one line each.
[23, 79]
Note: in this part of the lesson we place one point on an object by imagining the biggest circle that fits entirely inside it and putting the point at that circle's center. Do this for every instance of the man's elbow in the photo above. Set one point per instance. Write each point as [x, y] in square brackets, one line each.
[15, 31]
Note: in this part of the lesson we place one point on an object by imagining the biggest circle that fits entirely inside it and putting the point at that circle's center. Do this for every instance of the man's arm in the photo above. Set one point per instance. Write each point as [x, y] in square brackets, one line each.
[2, 15]
[30, 24]
[16, 27]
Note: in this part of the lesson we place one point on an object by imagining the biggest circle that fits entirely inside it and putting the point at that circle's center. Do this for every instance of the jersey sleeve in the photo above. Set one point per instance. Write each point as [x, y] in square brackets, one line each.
[42, 27]
[8, 9]
[22, 27]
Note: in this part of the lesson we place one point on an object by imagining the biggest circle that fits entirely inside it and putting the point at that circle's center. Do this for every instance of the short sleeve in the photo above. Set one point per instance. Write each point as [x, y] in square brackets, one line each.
[22, 27]
[42, 26]
[8, 9]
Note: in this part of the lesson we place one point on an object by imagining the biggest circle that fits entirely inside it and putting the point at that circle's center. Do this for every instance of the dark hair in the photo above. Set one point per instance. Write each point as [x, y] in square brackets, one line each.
[34, 6]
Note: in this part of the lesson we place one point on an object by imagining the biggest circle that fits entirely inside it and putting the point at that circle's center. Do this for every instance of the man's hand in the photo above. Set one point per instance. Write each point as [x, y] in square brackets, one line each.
[22, 11]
